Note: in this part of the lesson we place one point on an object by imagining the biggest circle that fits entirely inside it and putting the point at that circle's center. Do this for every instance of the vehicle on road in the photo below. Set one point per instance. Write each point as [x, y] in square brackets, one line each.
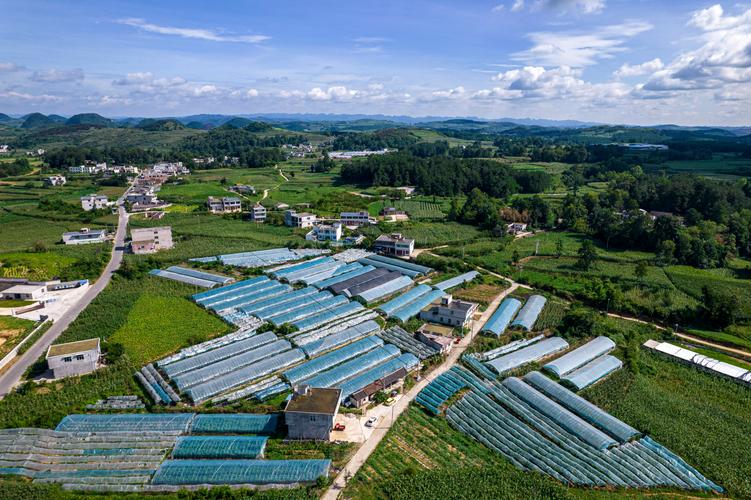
[390, 402]
[371, 421]
[339, 427]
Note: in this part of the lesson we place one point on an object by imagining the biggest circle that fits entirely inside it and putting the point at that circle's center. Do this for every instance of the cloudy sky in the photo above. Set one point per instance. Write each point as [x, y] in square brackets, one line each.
[617, 61]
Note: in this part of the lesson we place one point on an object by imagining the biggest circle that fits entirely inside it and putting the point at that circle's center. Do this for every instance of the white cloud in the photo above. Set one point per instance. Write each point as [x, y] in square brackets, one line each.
[7, 67]
[562, 6]
[57, 75]
[645, 68]
[455, 93]
[195, 33]
[578, 49]
[336, 93]
[23, 96]
[498, 8]
[518, 5]
[371, 39]
[723, 58]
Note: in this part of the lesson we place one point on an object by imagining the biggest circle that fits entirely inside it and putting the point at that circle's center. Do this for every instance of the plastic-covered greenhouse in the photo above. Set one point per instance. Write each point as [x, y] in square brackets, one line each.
[341, 269]
[250, 298]
[401, 263]
[375, 282]
[216, 278]
[334, 376]
[528, 314]
[218, 292]
[328, 315]
[184, 472]
[456, 280]
[586, 410]
[558, 414]
[580, 356]
[191, 280]
[340, 338]
[245, 375]
[407, 361]
[224, 301]
[234, 423]
[215, 355]
[527, 354]
[344, 276]
[357, 280]
[225, 366]
[592, 372]
[268, 307]
[404, 313]
[333, 358]
[502, 316]
[379, 292]
[386, 266]
[288, 270]
[126, 422]
[403, 299]
[219, 447]
[326, 268]
[308, 306]
[407, 342]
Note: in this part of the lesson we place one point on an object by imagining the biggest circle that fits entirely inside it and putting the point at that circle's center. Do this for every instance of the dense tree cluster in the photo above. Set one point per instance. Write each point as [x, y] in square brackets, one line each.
[444, 176]
[70, 156]
[19, 166]
[392, 138]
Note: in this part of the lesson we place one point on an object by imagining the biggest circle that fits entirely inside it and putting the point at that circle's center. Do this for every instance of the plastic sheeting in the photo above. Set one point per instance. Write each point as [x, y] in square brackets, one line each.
[314, 305]
[126, 422]
[406, 312]
[333, 358]
[403, 299]
[502, 316]
[334, 376]
[402, 263]
[235, 423]
[294, 268]
[456, 280]
[527, 354]
[369, 261]
[190, 280]
[219, 447]
[385, 290]
[185, 472]
[199, 297]
[529, 313]
[357, 280]
[407, 361]
[407, 342]
[592, 372]
[250, 298]
[583, 408]
[375, 282]
[245, 375]
[268, 307]
[217, 278]
[328, 315]
[315, 347]
[580, 356]
[344, 276]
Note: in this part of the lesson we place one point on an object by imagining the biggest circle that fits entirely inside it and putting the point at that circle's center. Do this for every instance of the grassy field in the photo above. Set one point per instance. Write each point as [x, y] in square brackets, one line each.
[692, 280]
[65, 262]
[481, 293]
[415, 208]
[12, 331]
[151, 317]
[430, 234]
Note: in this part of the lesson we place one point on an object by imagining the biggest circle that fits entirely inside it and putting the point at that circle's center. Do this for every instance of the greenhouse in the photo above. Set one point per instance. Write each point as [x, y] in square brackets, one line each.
[219, 447]
[281, 272]
[592, 372]
[348, 369]
[510, 347]
[215, 355]
[190, 280]
[216, 278]
[328, 315]
[385, 290]
[403, 299]
[440, 390]
[255, 295]
[456, 280]
[407, 342]
[401, 263]
[407, 361]
[200, 375]
[387, 266]
[354, 272]
[558, 414]
[580, 356]
[528, 314]
[413, 308]
[700, 361]
[342, 337]
[333, 358]
[370, 284]
[247, 374]
[235, 423]
[344, 268]
[302, 275]
[502, 316]
[218, 292]
[313, 305]
[126, 422]
[583, 408]
[185, 472]
[341, 286]
[525, 355]
[219, 302]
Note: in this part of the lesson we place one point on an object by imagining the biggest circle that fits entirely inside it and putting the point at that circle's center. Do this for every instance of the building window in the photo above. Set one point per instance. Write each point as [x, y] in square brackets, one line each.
[67, 359]
[79, 357]
[312, 418]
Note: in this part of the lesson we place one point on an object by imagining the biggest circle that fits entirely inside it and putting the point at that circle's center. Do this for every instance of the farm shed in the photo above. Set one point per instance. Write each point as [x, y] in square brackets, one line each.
[311, 411]
[73, 358]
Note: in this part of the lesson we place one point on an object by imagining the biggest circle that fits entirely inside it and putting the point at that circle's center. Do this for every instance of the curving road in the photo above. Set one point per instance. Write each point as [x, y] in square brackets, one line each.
[13, 375]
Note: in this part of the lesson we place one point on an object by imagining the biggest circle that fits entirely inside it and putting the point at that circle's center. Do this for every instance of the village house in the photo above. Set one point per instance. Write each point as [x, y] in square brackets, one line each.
[151, 239]
[224, 205]
[394, 244]
[292, 218]
[84, 236]
[311, 411]
[94, 202]
[73, 358]
[55, 180]
[449, 311]
[258, 213]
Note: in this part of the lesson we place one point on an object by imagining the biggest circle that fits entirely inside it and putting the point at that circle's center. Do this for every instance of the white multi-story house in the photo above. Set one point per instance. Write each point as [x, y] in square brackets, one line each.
[325, 232]
[151, 239]
[258, 213]
[394, 244]
[224, 205]
[302, 219]
[94, 202]
[361, 218]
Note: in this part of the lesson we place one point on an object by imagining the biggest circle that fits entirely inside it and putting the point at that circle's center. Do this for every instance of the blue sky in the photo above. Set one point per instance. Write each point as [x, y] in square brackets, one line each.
[618, 61]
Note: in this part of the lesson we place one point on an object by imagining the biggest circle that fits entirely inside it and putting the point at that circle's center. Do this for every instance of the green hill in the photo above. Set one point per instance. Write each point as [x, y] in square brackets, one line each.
[36, 120]
[89, 119]
[236, 122]
[5, 118]
[166, 125]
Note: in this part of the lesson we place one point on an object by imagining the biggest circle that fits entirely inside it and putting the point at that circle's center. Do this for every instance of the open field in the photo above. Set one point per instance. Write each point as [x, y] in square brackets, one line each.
[61, 261]
[691, 281]
[12, 331]
[430, 234]
[415, 208]
[151, 317]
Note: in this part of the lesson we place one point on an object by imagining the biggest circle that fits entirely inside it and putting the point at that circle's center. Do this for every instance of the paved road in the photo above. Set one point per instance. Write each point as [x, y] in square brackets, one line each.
[359, 458]
[11, 377]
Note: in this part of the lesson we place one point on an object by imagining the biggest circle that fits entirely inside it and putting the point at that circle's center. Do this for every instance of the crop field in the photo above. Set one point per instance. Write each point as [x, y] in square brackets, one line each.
[20, 233]
[692, 280]
[701, 417]
[552, 315]
[192, 192]
[12, 331]
[620, 271]
[721, 167]
[430, 234]
[151, 317]
[724, 338]
[481, 293]
[416, 209]
[65, 262]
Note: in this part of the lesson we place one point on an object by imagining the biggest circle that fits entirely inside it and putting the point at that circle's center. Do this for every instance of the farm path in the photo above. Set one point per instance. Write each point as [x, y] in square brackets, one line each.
[12, 376]
[359, 458]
